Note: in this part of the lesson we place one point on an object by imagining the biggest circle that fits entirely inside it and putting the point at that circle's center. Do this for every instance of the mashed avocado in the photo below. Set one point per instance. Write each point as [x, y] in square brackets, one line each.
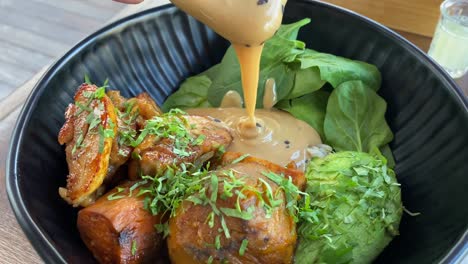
[353, 210]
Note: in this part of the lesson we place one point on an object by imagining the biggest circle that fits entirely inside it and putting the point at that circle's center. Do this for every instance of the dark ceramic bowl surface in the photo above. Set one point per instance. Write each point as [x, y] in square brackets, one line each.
[154, 51]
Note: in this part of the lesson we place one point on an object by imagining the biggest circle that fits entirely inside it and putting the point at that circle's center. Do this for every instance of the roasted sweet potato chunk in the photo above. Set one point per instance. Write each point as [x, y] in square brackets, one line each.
[297, 176]
[256, 235]
[117, 228]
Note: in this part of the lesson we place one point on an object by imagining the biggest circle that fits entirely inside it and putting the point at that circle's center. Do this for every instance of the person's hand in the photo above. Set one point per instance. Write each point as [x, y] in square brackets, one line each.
[129, 1]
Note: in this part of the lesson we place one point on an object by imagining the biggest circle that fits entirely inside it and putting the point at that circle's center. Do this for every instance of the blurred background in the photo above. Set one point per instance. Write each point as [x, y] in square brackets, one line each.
[33, 33]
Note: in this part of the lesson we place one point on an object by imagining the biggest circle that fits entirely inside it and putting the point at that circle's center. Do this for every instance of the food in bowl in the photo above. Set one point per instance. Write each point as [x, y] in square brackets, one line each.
[175, 171]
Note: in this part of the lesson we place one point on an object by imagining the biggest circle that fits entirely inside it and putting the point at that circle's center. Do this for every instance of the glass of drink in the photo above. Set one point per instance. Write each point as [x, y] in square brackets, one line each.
[449, 46]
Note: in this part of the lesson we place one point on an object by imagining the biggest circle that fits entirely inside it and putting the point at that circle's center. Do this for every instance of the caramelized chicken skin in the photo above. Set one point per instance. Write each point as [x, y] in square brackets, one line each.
[117, 229]
[297, 176]
[156, 154]
[131, 117]
[88, 130]
[270, 239]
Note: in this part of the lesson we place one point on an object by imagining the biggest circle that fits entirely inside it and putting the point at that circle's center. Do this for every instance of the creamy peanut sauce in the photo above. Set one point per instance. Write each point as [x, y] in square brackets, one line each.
[265, 133]
[279, 137]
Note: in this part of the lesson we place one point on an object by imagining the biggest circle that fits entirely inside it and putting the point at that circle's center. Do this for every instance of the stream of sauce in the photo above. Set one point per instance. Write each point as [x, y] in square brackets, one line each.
[265, 133]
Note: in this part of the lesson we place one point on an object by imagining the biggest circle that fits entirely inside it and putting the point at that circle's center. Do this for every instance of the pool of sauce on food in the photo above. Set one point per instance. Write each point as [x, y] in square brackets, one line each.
[277, 136]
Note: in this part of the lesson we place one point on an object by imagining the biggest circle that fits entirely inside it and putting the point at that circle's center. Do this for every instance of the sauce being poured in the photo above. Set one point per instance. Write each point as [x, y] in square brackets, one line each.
[269, 134]
[247, 24]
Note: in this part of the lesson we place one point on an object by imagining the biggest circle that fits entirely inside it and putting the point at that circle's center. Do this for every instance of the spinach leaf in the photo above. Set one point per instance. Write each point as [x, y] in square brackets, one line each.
[337, 70]
[355, 118]
[309, 108]
[306, 81]
[191, 94]
[290, 31]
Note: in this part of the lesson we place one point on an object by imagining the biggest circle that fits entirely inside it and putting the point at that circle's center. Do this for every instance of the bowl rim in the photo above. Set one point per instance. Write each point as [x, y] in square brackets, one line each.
[44, 245]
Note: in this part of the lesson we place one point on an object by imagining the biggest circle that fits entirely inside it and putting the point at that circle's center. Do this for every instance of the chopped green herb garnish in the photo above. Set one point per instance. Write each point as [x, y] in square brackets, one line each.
[214, 187]
[93, 120]
[100, 93]
[241, 158]
[122, 152]
[218, 242]
[291, 192]
[210, 260]
[134, 247]
[200, 139]
[162, 229]
[83, 107]
[225, 228]
[174, 126]
[86, 79]
[136, 155]
[211, 219]
[244, 215]
[101, 139]
[79, 143]
[243, 247]
[116, 195]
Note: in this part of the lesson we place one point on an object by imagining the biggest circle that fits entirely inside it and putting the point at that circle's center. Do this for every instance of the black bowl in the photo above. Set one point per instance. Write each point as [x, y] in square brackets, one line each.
[157, 49]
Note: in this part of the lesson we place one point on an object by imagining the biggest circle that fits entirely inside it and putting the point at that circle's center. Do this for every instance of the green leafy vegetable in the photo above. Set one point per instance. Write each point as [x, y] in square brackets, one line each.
[307, 81]
[309, 108]
[276, 53]
[337, 70]
[355, 118]
[353, 212]
[299, 73]
[192, 94]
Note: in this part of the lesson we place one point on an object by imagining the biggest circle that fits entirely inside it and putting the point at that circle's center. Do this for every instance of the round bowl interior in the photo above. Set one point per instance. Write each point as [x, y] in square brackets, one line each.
[156, 50]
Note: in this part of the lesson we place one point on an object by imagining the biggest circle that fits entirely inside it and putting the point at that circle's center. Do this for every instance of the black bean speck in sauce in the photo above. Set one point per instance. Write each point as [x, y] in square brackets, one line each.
[247, 45]
[258, 125]
[217, 120]
[286, 142]
[262, 2]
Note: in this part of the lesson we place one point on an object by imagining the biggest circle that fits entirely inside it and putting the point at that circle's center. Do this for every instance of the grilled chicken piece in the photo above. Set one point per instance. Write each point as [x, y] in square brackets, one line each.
[142, 106]
[267, 239]
[156, 154]
[88, 130]
[146, 108]
[126, 123]
[117, 228]
[297, 176]
[132, 114]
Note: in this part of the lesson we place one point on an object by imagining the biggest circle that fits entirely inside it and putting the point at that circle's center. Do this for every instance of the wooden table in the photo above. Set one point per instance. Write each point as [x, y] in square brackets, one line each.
[14, 247]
